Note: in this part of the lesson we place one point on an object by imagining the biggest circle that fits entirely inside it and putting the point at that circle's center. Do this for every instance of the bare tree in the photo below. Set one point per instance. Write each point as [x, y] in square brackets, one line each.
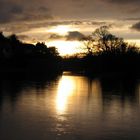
[105, 40]
[89, 44]
[102, 40]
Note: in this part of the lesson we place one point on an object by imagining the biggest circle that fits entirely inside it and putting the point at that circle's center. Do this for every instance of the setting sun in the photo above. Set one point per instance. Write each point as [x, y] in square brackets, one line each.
[67, 47]
[60, 29]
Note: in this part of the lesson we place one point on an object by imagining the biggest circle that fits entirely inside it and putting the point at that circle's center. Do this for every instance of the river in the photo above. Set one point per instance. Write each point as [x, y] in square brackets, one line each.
[70, 107]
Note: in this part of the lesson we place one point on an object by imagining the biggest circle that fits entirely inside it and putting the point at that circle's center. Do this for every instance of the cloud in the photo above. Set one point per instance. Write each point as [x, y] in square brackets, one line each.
[132, 18]
[13, 10]
[75, 35]
[29, 25]
[16, 9]
[26, 10]
[33, 10]
[23, 37]
[136, 26]
[71, 36]
[56, 37]
[130, 6]
[28, 16]
[124, 1]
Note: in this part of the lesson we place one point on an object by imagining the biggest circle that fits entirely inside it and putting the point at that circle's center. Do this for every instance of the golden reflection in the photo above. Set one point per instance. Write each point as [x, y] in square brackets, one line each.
[65, 90]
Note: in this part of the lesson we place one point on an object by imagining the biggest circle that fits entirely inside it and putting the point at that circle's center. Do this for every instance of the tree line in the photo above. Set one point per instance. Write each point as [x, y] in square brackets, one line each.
[104, 53]
[18, 56]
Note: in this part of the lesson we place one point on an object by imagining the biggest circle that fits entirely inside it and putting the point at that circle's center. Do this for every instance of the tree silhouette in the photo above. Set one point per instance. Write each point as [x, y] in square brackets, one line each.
[102, 41]
[16, 55]
[107, 41]
[89, 44]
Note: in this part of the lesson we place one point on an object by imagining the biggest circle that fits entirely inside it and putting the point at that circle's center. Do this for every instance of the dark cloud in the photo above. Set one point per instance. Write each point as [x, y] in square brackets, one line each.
[33, 10]
[13, 10]
[21, 10]
[130, 6]
[77, 22]
[132, 18]
[71, 36]
[16, 9]
[56, 37]
[136, 26]
[124, 1]
[23, 37]
[75, 35]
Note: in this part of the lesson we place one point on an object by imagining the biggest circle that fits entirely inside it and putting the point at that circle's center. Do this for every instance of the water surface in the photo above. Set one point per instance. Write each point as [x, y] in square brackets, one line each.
[70, 107]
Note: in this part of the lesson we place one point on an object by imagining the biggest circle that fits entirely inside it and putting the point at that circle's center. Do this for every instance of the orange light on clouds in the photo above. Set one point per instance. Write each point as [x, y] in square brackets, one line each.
[61, 29]
[134, 41]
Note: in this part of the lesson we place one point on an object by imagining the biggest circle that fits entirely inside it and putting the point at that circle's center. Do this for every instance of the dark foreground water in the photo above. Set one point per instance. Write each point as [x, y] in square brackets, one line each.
[70, 107]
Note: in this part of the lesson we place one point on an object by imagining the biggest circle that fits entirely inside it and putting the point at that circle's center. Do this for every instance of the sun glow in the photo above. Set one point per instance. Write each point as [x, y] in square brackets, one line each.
[60, 29]
[134, 41]
[67, 47]
[65, 90]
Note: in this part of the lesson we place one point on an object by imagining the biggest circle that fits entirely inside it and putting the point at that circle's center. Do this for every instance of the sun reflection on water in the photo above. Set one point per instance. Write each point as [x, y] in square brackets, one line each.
[65, 90]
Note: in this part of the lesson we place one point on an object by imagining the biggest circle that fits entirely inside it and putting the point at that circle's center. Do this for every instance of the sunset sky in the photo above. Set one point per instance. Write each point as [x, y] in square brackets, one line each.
[62, 23]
